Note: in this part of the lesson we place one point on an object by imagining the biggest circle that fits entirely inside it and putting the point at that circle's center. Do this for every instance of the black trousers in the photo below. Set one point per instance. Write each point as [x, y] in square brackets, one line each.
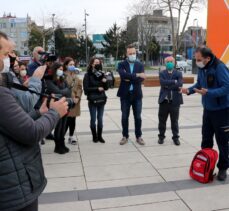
[167, 109]
[71, 125]
[31, 207]
[213, 125]
[59, 132]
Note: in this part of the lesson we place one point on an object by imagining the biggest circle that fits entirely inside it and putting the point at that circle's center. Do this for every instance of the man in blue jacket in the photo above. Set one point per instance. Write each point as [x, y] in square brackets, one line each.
[130, 92]
[170, 100]
[213, 85]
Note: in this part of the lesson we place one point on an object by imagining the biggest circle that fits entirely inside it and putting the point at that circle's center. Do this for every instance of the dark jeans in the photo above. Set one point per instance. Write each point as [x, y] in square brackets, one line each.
[213, 123]
[96, 110]
[59, 132]
[136, 104]
[167, 109]
[31, 207]
[71, 125]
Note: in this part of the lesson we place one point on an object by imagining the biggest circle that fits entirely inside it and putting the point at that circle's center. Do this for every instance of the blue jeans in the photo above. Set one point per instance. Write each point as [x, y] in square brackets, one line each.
[136, 104]
[96, 110]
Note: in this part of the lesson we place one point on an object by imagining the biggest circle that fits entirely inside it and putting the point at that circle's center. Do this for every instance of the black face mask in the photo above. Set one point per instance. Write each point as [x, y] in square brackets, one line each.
[98, 67]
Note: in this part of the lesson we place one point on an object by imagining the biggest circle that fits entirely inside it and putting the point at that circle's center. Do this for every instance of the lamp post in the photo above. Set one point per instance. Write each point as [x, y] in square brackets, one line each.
[194, 67]
[53, 27]
[85, 30]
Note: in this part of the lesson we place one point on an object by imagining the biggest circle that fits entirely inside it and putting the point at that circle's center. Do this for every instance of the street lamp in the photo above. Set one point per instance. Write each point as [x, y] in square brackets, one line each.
[85, 25]
[53, 28]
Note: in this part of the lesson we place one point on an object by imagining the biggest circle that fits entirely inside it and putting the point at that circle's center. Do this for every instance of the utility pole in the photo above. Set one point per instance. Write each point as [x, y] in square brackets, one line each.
[85, 30]
[53, 28]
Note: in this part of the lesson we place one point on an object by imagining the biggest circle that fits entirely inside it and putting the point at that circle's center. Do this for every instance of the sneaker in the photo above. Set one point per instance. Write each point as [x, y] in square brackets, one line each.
[222, 175]
[123, 141]
[140, 141]
[72, 141]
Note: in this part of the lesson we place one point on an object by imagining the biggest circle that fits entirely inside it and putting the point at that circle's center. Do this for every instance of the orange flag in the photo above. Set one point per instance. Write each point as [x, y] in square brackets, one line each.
[218, 28]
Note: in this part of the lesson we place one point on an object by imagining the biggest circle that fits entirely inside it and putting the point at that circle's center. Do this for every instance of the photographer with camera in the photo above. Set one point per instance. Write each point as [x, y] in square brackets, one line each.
[95, 85]
[57, 85]
[35, 63]
[22, 175]
[73, 81]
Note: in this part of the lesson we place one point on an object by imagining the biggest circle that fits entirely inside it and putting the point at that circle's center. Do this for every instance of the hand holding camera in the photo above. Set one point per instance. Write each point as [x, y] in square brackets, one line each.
[60, 106]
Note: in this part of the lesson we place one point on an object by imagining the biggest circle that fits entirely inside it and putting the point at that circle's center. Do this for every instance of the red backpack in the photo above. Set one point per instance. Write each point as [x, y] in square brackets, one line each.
[203, 165]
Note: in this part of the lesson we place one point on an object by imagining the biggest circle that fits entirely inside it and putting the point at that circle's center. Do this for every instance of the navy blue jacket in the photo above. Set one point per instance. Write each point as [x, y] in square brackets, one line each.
[32, 67]
[128, 79]
[215, 78]
[170, 82]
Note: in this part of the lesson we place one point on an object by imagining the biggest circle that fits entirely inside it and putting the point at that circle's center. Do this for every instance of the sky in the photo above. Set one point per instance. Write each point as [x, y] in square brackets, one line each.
[102, 13]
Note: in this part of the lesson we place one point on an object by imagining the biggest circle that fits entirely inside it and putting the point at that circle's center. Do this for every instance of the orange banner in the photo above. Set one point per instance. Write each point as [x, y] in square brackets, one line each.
[218, 28]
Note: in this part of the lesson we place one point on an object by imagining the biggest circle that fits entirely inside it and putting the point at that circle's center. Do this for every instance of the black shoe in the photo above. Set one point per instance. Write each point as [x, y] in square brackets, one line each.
[42, 142]
[59, 150]
[176, 142]
[222, 175]
[94, 135]
[66, 149]
[100, 138]
[50, 137]
[160, 141]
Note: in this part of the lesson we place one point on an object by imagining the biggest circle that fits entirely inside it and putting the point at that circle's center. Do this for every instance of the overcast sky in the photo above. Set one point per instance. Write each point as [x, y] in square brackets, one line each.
[102, 13]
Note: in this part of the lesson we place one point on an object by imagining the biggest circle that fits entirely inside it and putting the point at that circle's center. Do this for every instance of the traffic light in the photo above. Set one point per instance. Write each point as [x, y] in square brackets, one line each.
[169, 37]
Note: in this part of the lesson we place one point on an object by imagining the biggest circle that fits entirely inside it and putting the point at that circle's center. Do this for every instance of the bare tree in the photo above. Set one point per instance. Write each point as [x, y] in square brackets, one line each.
[181, 9]
[142, 10]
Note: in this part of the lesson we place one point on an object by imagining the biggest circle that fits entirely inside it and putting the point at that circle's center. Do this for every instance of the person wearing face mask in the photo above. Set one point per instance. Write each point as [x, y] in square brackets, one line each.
[22, 174]
[132, 75]
[23, 72]
[95, 85]
[57, 85]
[213, 85]
[73, 81]
[169, 100]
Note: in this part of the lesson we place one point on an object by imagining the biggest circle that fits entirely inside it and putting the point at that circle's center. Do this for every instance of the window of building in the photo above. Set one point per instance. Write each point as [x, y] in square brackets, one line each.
[13, 25]
[25, 53]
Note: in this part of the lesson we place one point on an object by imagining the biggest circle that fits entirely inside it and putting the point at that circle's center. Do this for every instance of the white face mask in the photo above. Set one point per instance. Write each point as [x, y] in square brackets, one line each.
[59, 72]
[23, 73]
[200, 64]
[132, 58]
[6, 63]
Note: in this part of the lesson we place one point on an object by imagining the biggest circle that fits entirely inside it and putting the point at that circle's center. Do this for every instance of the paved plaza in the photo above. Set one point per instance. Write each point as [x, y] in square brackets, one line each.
[110, 177]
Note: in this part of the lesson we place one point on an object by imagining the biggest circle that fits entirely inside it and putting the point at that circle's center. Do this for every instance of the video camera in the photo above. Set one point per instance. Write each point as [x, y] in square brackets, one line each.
[46, 57]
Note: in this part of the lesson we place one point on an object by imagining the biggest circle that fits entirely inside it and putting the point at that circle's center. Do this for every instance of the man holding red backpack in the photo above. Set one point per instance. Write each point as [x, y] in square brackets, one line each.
[213, 85]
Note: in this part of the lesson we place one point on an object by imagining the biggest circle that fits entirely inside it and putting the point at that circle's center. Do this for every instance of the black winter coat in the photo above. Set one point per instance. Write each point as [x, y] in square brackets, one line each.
[91, 84]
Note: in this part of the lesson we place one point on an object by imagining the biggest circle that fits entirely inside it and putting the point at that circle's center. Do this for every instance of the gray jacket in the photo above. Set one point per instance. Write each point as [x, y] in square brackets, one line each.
[22, 177]
[27, 100]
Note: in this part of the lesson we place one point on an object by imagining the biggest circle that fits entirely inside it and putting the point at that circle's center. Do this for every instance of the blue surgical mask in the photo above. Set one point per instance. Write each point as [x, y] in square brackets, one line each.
[59, 72]
[72, 68]
[170, 66]
[132, 58]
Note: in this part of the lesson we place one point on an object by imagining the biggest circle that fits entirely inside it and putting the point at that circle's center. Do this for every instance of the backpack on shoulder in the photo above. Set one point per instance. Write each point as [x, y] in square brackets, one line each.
[203, 165]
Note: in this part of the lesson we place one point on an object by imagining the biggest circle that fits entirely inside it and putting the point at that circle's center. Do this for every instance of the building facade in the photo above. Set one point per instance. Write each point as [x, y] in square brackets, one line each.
[143, 28]
[18, 30]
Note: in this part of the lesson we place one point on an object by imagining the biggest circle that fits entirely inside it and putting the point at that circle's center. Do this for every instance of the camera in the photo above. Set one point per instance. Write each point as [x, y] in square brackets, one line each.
[46, 57]
[99, 74]
[70, 101]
